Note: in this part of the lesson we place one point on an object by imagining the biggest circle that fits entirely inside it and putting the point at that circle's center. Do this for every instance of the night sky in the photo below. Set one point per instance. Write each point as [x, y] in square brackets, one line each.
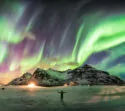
[62, 34]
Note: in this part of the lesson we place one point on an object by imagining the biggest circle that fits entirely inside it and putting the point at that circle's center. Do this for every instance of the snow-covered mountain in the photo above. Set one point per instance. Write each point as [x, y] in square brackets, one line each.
[85, 75]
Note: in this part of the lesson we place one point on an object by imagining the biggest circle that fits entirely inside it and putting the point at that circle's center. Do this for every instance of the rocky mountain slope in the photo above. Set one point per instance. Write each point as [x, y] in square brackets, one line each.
[89, 75]
[86, 75]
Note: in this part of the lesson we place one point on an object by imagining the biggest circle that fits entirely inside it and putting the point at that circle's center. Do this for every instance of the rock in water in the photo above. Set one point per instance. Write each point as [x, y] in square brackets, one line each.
[2, 88]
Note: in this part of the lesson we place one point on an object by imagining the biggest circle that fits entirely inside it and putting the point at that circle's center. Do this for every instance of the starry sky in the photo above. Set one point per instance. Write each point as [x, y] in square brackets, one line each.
[61, 34]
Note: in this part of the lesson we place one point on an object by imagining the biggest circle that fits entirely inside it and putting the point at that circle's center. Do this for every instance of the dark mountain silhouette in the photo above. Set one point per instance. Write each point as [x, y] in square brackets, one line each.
[24, 79]
[90, 75]
[85, 75]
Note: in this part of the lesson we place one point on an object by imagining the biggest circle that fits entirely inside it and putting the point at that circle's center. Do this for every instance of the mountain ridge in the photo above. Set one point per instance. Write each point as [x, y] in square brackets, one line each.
[83, 75]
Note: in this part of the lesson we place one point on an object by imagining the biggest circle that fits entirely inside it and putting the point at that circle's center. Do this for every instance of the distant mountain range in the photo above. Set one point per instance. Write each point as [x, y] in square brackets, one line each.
[85, 75]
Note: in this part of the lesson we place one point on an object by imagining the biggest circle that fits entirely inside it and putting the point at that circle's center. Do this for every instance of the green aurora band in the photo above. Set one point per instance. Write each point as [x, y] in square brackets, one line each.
[8, 32]
[95, 34]
[109, 33]
[106, 34]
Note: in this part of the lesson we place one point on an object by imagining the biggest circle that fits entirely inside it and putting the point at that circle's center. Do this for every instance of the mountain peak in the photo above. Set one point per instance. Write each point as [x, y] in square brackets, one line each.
[87, 66]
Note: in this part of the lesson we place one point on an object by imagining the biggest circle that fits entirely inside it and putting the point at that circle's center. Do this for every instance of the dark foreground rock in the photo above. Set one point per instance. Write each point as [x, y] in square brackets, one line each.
[86, 75]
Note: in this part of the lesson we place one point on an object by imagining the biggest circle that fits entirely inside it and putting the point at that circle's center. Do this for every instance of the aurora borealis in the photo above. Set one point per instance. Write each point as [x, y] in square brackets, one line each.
[61, 35]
